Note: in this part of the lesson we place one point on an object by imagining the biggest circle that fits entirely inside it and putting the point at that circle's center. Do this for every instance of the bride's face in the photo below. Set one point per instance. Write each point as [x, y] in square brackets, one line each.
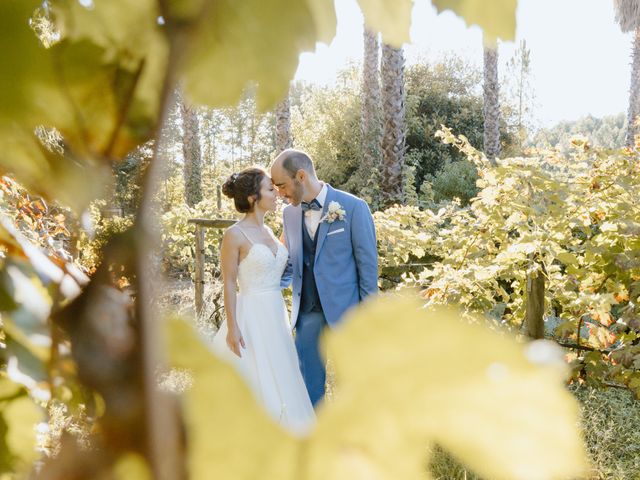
[268, 195]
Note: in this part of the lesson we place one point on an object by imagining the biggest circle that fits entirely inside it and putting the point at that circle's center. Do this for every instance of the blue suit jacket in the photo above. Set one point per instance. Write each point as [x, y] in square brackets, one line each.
[346, 262]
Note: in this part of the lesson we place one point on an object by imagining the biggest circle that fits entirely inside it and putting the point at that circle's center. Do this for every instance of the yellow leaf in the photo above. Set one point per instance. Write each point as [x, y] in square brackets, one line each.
[407, 377]
[567, 258]
[239, 43]
[497, 18]
[608, 227]
[131, 466]
[392, 18]
[98, 87]
[324, 17]
[21, 416]
[228, 433]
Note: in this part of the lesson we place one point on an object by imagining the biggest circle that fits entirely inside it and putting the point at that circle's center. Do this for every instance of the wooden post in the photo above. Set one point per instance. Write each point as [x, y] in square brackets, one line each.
[535, 304]
[199, 268]
[201, 224]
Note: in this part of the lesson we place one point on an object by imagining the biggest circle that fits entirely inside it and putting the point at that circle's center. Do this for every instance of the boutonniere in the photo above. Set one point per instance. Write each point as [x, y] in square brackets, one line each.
[334, 212]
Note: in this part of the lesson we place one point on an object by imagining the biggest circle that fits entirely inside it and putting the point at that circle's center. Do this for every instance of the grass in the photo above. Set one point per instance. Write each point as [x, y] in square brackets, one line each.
[611, 426]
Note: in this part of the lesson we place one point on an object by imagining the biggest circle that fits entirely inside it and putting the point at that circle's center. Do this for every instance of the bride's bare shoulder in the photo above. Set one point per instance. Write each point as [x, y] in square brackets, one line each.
[233, 235]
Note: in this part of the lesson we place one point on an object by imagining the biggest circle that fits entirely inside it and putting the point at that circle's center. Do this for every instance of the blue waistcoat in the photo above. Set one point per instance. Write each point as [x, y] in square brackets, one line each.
[309, 299]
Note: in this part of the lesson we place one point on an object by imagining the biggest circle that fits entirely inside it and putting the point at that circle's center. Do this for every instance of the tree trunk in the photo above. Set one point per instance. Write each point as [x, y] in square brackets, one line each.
[491, 108]
[370, 116]
[393, 139]
[634, 93]
[283, 125]
[192, 156]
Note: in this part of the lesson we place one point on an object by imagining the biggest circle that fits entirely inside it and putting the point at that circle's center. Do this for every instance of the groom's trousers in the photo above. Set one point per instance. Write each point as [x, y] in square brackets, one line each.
[309, 327]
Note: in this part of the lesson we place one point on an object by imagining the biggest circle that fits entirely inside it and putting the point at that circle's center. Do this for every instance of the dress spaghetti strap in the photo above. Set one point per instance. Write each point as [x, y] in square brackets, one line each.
[245, 235]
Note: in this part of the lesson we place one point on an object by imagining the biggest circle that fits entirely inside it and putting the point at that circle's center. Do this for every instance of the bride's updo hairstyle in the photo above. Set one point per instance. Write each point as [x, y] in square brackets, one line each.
[242, 185]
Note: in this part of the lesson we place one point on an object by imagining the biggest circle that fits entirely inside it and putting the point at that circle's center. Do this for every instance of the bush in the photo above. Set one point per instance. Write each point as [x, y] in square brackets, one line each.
[455, 180]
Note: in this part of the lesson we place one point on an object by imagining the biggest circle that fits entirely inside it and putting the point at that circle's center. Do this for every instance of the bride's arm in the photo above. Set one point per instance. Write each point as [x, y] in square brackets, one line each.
[229, 259]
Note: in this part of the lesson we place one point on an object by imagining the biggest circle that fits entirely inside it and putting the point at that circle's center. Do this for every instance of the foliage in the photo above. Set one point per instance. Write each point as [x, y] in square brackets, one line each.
[451, 403]
[38, 277]
[443, 93]
[128, 176]
[102, 228]
[104, 84]
[42, 224]
[606, 132]
[178, 235]
[325, 122]
[455, 180]
[500, 14]
[518, 98]
[574, 219]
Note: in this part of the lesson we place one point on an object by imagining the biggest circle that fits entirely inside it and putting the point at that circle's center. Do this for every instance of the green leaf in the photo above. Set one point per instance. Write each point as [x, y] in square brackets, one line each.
[567, 258]
[497, 18]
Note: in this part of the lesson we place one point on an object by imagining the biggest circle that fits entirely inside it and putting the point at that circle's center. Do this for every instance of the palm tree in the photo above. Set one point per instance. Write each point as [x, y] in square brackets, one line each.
[283, 125]
[491, 108]
[393, 111]
[370, 116]
[628, 16]
[192, 156]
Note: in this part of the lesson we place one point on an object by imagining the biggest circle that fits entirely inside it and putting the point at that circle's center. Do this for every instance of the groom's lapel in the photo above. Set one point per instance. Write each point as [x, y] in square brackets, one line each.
[323, 227]
[297, 237]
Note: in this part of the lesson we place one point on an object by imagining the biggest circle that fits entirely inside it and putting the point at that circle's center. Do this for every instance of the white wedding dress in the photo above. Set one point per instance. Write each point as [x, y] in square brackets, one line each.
[269, 363]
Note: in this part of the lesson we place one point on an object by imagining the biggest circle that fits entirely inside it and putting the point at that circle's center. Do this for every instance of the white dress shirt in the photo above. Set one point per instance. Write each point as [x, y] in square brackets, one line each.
[312, 217]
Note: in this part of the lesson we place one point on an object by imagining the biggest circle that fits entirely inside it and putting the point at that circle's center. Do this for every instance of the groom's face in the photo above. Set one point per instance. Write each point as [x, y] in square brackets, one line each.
[290, 188]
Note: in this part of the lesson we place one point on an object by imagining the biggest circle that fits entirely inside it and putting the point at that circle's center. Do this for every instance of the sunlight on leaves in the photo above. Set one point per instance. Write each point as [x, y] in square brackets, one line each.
[229, 435]
[238, 43]
[98, 86]
[21, 415]
[407, 377]
[392, 19]
[496, 18]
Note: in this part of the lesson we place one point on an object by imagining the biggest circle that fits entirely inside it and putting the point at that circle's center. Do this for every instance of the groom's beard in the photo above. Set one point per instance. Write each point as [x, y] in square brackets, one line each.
[298, 193]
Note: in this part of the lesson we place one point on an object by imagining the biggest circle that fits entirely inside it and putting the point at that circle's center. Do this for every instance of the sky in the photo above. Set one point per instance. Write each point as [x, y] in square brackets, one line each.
[580, 60]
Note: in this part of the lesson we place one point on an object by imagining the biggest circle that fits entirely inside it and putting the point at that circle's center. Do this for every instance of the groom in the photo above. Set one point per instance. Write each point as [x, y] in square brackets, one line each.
[333, 258]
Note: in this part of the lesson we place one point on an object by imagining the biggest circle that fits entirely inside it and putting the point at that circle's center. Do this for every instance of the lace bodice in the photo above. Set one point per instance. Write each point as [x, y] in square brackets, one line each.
[261, 270]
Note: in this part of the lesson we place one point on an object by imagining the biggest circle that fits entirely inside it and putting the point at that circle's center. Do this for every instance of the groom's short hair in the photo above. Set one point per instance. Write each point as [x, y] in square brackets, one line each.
[295, 160]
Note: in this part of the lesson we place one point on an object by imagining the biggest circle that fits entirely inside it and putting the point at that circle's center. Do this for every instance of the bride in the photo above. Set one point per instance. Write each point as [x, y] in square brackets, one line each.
[256, 337]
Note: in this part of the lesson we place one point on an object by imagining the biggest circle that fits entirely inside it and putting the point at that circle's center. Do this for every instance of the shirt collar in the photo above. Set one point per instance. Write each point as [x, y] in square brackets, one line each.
[322, 196]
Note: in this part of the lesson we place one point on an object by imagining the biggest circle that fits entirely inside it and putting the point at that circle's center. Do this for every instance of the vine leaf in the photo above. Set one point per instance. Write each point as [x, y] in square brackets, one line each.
[96, 90]
[496, 18]
[406, 379]
[252, 445]
[237, 44]
[391, 19]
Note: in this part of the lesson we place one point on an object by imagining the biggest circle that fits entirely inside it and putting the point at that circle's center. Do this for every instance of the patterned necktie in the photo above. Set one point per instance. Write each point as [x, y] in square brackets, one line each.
[312, 205]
